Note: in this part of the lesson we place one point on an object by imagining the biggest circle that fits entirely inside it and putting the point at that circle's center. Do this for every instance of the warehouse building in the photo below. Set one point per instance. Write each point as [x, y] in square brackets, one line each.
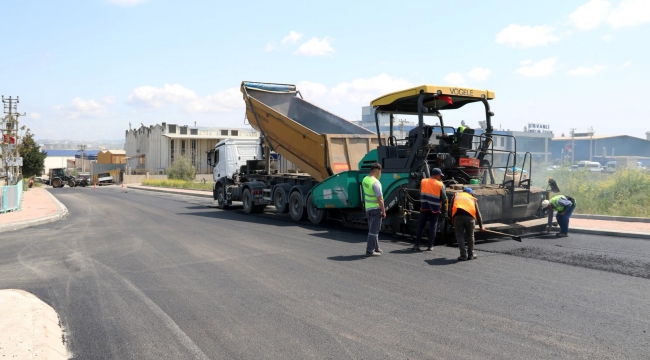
[151, 149]
[600, 148]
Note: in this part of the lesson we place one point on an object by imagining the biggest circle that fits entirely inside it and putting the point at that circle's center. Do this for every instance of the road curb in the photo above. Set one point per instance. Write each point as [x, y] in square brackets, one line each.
[170, 191]
[611, 218]
[627, 234]
[35, 327]
[62, 213]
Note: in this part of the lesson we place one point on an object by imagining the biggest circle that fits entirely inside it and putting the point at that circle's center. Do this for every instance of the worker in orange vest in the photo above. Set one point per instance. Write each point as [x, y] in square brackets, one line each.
[432, 200]
[464, 215]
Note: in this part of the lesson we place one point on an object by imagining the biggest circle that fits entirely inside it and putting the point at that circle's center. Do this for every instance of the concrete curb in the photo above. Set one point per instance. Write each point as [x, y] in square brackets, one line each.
[170, 191]
[62, 213]
[29, 328]
[611, 218]
[627, 234]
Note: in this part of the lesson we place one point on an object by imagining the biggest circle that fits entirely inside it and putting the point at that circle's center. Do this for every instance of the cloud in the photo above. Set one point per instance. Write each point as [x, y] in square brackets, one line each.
[590, 15]
[35, 116]
[607, 38]
[627, 63]
[527, 62]
[630, 13]
[479, 74]
[364, 90]
[596, 12]
[455, 78]
[109, 99]
[315, 47]
[538, 69]
[82, 109]
[524, 37]
[186, 99]
[150, 96]
[270, 46]
[293, 37]
[127, 2]
[587, 71]
[357, 92]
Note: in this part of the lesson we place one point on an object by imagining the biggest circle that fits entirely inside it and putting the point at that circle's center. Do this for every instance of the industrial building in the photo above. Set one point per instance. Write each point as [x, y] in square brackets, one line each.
[151, 149]
[111, 157]
[601, 148]
[69, 159]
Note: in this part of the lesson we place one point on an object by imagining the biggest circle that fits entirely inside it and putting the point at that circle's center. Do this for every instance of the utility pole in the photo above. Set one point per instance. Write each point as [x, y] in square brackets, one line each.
[82, 148]
[10, 135]
[591, 136]
[573, 145]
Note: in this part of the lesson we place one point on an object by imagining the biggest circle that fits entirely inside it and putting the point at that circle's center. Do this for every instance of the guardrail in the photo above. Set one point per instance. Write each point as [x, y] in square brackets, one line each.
[10, 197]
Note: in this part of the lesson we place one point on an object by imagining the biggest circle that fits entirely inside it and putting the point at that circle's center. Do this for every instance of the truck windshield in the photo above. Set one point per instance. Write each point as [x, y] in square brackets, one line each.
[58, 173]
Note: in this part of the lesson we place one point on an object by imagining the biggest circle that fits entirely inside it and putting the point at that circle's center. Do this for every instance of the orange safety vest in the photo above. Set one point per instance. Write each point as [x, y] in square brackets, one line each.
[465, 201]
[430, 191]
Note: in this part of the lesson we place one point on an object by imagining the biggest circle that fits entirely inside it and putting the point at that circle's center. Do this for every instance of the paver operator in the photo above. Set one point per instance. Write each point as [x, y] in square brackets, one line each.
[464, 215]
[375, 210]
[432, 205]
[564, 205]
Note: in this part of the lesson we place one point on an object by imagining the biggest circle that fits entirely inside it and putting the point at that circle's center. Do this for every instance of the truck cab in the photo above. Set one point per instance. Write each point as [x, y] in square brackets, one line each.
[229, 155]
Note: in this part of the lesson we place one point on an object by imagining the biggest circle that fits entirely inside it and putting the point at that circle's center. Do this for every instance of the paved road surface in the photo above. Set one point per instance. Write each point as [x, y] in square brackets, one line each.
[140, 275]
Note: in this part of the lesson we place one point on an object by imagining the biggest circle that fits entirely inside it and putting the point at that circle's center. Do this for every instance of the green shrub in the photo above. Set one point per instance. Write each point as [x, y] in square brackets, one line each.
[178, 184]
[623, 193]
[182, 169]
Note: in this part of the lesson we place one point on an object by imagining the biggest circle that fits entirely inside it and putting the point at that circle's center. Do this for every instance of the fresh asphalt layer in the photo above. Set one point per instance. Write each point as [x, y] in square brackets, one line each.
[142, 275]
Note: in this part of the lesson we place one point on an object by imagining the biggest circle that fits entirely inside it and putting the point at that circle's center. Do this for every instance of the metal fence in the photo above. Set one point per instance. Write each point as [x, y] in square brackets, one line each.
[10, 197]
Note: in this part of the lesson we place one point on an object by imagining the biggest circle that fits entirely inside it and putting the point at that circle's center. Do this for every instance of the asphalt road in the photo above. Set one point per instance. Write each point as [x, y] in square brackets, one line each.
[138, 275]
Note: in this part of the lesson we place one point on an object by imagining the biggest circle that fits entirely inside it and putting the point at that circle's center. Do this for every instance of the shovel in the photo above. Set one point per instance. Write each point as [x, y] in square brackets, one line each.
[513, 237]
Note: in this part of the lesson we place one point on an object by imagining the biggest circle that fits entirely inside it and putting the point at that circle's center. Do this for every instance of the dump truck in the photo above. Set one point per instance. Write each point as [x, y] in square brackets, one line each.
[336, 155]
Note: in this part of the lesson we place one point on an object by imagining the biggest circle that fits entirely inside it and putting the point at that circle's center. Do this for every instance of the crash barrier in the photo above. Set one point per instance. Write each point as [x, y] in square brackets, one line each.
[10, 197]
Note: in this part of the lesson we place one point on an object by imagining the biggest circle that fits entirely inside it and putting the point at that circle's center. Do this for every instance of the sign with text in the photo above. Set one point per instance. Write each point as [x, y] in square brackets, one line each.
[13, 161]
[538, 128]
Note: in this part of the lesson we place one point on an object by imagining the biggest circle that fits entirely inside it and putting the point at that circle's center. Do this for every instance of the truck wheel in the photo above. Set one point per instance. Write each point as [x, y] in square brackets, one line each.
[280, 201]
[314, 214]
[247, 199]
[71, 183]
[56, 183]
[296, 207]
[222, 203]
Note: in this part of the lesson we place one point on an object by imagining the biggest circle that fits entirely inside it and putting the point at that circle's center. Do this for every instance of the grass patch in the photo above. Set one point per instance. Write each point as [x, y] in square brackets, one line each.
[622, 193]
[179, 184]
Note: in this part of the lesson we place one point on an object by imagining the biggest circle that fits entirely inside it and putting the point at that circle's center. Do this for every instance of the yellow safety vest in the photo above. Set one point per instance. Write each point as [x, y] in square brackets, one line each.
[369, 197]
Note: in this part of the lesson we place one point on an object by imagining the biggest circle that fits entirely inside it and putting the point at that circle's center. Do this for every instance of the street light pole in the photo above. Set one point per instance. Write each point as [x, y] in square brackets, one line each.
[591, 136]
[83, 148]
[573, 145]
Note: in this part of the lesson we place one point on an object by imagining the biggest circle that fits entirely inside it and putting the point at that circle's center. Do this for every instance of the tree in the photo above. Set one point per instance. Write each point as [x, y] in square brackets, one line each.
[182, 169]
[33, 157]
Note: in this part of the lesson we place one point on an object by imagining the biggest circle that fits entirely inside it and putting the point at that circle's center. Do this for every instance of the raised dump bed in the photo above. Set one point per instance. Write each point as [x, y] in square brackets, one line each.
[317, 141]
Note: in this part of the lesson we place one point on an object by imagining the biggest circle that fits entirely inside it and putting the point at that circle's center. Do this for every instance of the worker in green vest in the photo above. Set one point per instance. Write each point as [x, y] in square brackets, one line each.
[375, 210]
[460, 131]
[564, 205]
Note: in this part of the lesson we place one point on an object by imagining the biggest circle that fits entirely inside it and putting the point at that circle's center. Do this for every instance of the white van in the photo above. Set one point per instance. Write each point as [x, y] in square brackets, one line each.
[590, 166]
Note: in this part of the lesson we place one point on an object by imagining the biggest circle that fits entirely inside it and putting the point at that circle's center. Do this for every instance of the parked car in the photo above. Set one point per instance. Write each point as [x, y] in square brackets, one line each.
[105, 179]
[590, 166]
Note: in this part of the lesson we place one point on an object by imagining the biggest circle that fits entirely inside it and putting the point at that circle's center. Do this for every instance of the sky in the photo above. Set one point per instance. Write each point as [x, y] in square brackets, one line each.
[85, 69]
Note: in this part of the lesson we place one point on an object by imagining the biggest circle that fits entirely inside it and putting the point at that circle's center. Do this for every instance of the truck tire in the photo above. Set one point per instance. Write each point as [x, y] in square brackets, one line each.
[314, 214]
[297, 207]
[247, 200]
[280, 200]
[222, 203]
[56, 183]
[71, 183]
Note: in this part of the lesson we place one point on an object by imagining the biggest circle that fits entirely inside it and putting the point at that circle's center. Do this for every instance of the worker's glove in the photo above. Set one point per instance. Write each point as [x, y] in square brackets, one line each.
[562, 213]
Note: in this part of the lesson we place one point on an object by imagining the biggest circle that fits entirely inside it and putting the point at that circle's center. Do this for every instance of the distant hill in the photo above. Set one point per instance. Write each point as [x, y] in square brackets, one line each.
[54, 144]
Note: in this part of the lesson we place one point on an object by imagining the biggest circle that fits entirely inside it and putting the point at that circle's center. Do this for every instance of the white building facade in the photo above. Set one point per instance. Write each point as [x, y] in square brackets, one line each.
[154, 148]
